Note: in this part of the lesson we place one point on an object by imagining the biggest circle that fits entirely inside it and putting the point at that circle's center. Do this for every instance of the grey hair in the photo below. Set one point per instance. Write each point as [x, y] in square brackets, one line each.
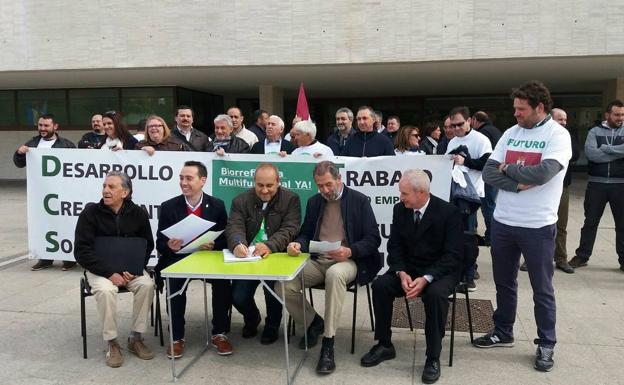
[126, 182]
[554, 111]
[325, 167]
[346, 111]
[306, 127]
[224, 118]
[280, 122]
[418, 179]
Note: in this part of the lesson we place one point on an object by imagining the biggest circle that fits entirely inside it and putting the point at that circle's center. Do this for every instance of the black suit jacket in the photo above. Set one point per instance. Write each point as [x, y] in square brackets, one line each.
[258, 148]
[173, 211]
[432, 247]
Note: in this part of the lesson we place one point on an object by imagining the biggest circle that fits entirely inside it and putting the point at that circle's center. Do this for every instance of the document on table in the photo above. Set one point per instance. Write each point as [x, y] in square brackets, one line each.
[229, 257]
[196, 244]
[322, 247]
[188, 229]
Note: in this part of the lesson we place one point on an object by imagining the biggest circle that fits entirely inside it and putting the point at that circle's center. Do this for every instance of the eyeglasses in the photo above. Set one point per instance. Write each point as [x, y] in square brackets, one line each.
[457, 125]
[415, 135]
[154, 126]
[110, 113]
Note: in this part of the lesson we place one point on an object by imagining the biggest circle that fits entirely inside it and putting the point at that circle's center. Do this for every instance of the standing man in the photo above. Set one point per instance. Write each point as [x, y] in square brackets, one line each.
[343, 132]
[605, 155]
[268, 217]
[94, 138]
[527, 166]
[424, 260]
[448, 134]
[224, 140]
[116, 216]
[260, 125]
[367, 142]
[336, 213]
[273, 143]
[394, 123]
[304, 132]
[378, 121]
[194, 201]
[194, 139]
[240, 131]
[48, 137]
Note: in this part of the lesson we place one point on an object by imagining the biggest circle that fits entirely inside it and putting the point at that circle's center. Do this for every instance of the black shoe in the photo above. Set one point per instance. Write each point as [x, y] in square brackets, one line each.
[326, 364]
[316, 328]
[251, 330]
[477, 275]
[431, 372]
[471, 286]
[544, 358]
[577, 262]
[269, 335]
[378, 354]
[565, 267]
[41, 264]
[68, 265]
[524, 267]
[493, 340]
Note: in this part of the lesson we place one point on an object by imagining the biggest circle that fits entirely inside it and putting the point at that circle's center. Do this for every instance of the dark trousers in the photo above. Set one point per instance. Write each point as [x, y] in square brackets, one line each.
[221, 304]
[561, 254]
[596, 197]
[387, 287]
[488, 204]
[537, 246]
[243, 292]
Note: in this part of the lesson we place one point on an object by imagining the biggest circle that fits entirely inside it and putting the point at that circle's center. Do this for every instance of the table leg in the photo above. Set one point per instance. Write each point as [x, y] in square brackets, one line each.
[169, 295]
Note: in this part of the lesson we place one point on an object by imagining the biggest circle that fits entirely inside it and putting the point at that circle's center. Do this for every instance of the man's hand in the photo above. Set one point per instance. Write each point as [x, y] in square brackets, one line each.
[220, 152]
[458, 159]
[22, 149]
[522, 187]
[262, 250]
[294, 248]
[282, 154]
[207, 246]
[117, 280]
[340, 254]
[240, 251]
[502, 166]
[149, 149]
[412, 288]
[174, 244]
[127, 276]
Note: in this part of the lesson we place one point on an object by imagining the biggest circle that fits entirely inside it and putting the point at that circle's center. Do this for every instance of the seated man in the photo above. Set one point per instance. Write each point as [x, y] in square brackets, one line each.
[267, 216]
[337, 213]
[116, 216]
[194, 201]
[424, 260]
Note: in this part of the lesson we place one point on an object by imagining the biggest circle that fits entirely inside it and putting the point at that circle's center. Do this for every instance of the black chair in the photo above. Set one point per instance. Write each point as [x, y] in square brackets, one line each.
[85, 291]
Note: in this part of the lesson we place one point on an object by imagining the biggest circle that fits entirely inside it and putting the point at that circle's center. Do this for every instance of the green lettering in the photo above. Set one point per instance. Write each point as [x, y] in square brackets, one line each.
[54, 244]
[56, 163]
[46, 205]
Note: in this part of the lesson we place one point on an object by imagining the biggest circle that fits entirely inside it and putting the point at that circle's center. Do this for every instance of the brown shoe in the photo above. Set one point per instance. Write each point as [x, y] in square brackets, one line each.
[178, 349]
[68, 265]
[577, 262]
[41, 264]
[114, 359]
[136, 346]
[222, 343]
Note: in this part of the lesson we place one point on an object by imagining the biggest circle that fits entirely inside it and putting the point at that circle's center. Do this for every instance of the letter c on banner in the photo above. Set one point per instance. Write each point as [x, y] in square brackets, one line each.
[46, 205]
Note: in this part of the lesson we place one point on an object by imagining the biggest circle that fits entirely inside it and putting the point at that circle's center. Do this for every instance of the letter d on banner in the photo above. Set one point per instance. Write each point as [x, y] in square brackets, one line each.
[56, 163]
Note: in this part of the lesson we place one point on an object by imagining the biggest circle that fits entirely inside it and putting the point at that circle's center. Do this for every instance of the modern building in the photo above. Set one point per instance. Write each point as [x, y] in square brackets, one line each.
[415, 59]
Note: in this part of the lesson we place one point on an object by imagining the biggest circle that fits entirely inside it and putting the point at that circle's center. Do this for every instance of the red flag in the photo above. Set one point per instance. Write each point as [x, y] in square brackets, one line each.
[302, 105]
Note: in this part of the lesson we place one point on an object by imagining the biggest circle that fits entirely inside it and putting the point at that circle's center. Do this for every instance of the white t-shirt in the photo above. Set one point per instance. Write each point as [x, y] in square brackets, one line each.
[313, 149]
[478, 145]
[536, 207]
[247, 136]
[46, 143]
[419, 152]
[272, 147]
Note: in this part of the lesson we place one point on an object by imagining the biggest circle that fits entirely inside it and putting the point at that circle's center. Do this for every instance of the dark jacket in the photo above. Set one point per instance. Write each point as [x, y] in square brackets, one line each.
[390, 135]
[258, 148]
[169, 144]
[98, 220]
[198, 142]
[605, 157]
[576, 152]
[427, 147]
[368, 144]
[442, 145]
[337, 143]
[173, 211]
[282, 219]
[128, 144]
[20, 159]
[491, 132]
[258, 131]
[236, 146]
[434, 247]
[360, 227]
[90, 140]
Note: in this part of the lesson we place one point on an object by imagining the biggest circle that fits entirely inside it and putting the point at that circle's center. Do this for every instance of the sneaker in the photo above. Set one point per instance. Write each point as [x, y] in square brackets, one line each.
[471, 286]
[493, 340]
[136, 346]
[114, 359]
[41, 264]
[68, 265]
[544, 358]
[477, 275]
[524, 267]
[222, 344]
[178, 349]
[577, 262]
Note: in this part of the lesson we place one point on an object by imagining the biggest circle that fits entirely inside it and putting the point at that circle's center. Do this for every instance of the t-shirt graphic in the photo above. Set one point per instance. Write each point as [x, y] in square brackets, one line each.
[261, 235]
[523, 158]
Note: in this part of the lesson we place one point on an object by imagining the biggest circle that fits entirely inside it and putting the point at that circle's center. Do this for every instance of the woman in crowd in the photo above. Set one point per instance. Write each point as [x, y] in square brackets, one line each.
[432, 133]
[407, 141]
[116, 135]
[158, 137]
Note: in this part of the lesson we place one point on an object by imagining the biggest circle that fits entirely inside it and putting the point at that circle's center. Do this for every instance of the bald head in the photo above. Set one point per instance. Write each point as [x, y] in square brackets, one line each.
[559, 116]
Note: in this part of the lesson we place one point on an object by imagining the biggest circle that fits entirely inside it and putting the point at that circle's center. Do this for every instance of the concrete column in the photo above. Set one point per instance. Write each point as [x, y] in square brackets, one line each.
[272, 99]
[613, 90]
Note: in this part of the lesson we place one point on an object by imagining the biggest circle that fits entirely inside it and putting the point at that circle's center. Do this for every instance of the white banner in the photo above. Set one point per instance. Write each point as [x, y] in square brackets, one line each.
[62, 181]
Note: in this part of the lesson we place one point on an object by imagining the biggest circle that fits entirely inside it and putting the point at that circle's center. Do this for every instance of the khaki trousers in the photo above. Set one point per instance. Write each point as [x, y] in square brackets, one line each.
[336, 276]
[105, 294]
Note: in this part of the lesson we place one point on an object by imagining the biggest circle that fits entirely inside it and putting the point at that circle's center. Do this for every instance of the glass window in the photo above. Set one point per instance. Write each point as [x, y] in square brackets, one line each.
[33, 103]
[7, 109]
[138, 103]
[83, 104]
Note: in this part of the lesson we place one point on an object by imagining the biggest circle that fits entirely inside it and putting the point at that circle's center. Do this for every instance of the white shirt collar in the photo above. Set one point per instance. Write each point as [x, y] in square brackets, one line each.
[424, 208]
[193, 208]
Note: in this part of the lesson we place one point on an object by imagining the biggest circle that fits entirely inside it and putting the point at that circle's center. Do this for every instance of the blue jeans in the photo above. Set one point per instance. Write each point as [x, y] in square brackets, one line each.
[488, 204]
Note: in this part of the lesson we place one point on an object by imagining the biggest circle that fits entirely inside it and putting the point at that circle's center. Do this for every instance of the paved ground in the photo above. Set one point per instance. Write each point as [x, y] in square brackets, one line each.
[40, 328]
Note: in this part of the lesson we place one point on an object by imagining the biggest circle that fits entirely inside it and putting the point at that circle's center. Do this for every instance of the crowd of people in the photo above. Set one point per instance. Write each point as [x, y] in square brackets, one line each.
[518, 178]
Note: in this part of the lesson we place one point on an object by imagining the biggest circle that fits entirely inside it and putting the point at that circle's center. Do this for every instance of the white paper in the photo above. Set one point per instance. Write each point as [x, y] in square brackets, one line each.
[196, 244]
[322, 247]
[188, 229]
[229, 257]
